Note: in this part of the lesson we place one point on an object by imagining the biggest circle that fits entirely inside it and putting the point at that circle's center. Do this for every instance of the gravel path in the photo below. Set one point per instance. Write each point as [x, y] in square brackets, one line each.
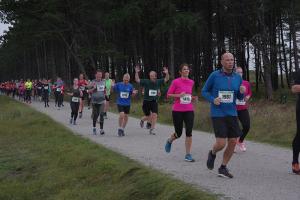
[263, 172]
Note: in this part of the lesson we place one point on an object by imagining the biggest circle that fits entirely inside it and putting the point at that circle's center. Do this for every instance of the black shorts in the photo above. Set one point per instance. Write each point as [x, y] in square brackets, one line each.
[107, 97]
[179, 118]
[226, 127]
[150, 106]
[125, 109]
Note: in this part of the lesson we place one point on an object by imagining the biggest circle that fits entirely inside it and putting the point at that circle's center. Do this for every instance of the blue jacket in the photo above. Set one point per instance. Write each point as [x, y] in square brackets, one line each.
[226, 85]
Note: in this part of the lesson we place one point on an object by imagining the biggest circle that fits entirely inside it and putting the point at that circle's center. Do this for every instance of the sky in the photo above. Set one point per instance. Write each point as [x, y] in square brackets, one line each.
[3, 27]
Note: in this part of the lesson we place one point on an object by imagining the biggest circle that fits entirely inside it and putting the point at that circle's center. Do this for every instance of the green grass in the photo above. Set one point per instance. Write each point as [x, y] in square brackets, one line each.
[271, 122]
[40, 159]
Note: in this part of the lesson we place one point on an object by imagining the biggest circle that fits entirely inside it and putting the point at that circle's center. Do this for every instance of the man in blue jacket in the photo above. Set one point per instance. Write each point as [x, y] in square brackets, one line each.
[221, 89]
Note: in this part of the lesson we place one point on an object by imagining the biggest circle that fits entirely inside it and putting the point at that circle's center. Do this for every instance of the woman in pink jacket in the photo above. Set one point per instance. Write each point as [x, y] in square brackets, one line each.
[183, 109]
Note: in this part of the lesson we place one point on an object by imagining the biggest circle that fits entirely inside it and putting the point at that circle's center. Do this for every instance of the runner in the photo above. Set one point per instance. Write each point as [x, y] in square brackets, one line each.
[98, 101]
[58, 92]
[124, 90]
[151, 89]
[28, 88]
[75, 94]
[242, 111]
[181, 90]
[108, 84]
[296, 141]
[39, 87]
[89, 96]
[45, 92]
[221, 89]
[82, 86]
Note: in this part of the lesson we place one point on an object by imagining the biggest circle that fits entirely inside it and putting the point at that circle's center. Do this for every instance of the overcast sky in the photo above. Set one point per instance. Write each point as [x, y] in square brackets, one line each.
[3, 27]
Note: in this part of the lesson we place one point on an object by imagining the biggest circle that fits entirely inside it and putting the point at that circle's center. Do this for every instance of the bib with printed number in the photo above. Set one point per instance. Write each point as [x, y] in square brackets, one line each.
[186, 99]
[46, 88]
[39, 88]
[75, 99]
[240, 102]
[226, 96]
[58, 89]
[152, 93]
[100, 88]
[124, 95]
[81, 88]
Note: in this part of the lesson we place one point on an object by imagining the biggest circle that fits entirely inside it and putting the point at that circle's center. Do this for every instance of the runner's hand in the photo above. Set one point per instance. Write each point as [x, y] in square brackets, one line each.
[242, 89]
[217, 101]
[182, 94]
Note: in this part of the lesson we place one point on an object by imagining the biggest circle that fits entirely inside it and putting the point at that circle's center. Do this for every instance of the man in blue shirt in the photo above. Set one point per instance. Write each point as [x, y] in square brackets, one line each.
[124, 91]
[221, 89]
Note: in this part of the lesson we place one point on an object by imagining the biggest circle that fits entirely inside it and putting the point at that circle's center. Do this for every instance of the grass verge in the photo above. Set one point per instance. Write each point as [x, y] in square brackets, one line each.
[40, 159]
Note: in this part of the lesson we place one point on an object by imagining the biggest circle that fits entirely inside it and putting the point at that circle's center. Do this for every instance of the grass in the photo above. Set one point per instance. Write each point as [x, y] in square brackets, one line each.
[271, 122]
[40, 159]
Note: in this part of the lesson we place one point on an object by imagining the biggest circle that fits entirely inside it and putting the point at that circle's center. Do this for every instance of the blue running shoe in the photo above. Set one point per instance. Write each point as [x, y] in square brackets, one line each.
[168, 146]
[189, 158]
[94, 131]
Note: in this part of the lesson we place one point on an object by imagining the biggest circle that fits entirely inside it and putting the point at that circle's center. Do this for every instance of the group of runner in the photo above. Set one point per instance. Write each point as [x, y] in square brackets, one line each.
[225, 89]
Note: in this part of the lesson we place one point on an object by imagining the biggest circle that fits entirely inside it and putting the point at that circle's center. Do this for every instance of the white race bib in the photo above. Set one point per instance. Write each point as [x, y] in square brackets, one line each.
[240, 102]
[124, 95]
[226, 96]
[81, 88]
[152, 93]
[75, 99]
[186, 99]
[58, 89]
[100, 88]
[46, 88]
[39, 88]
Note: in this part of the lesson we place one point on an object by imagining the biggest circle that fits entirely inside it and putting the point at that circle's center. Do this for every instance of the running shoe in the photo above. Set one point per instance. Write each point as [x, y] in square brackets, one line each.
[74, 122]
[189, 158]
[80, 115]
[120, 132]
[296, 168]
[152, 131]
[71, 120]
[105, 115]
[168, 146]
[142, 124]
[94, 131]
[210, 160]
[102, 132]
[148, 125]
[123, 133]
[242, 146]
[224, 172]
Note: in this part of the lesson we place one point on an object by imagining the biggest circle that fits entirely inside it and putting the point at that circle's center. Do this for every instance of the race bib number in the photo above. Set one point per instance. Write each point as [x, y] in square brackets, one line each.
[124, 95]
[100, 88]
[46, 87]
[81, 88]
[152, 93]
[39, 88]
[58, 89]
[226, 96]
[240, 102]
[186, 99]
[75, 99]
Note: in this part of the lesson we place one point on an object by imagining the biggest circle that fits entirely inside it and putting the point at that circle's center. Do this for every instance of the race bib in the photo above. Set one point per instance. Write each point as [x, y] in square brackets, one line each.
[75, 99]
[152, 93]
[39, 88]
[81, 88]
[58, 89]
[100, 88]
[46, 87]
[124, 95]
[186, 99]
[240, 102]
[226, 96]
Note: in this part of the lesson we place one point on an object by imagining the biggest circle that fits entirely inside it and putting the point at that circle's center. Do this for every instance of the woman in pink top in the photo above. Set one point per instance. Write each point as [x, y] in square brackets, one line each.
[183, 109]
[242, 110]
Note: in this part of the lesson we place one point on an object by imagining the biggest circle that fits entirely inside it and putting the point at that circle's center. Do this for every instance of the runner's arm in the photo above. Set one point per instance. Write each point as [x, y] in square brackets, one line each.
[206, 90]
